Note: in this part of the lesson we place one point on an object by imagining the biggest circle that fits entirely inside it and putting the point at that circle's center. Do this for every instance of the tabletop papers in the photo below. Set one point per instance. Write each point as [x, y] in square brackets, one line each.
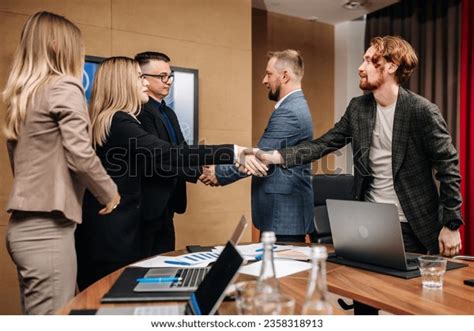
[250, 252]
[283, 267]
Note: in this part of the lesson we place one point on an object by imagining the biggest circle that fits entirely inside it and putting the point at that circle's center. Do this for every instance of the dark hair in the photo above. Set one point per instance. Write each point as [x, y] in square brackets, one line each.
[398, 51]
[146, 57]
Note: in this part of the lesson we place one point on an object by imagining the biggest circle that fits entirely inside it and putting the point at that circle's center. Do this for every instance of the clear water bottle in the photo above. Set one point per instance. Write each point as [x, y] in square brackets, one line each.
[267, 282]
[316, 302]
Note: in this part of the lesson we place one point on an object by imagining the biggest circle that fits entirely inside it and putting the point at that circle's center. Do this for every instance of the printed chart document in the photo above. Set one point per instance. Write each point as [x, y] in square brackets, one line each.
[283, 268]
[160, 261]
[203, 259]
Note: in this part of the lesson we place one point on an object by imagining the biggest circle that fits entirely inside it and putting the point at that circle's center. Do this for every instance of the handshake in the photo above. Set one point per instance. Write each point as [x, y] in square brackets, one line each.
[249, 161]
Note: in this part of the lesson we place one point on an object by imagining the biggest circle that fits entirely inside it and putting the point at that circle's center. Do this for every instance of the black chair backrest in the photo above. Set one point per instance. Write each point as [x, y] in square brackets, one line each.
[332, 187]
[328, 187]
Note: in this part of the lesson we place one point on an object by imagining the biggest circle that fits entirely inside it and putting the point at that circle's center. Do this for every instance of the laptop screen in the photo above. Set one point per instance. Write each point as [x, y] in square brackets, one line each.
[367, 232]
[211, 291]
[239, 230]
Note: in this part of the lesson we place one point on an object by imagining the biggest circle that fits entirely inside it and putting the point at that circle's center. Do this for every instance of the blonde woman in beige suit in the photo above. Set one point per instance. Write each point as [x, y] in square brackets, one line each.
[48, 133]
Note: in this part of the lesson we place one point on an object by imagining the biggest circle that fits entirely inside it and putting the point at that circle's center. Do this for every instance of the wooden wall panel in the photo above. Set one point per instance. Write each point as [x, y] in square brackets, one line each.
[213, 22]
[89, 12]
[97, 40]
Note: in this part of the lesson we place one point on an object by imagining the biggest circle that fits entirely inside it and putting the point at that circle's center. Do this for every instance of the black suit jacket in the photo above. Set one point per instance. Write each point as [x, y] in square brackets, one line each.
[129, 155]
[164, 193]
[421, 143]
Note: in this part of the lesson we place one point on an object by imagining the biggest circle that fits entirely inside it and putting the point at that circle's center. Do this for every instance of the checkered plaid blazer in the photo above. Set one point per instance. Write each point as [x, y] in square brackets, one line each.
[421, 144]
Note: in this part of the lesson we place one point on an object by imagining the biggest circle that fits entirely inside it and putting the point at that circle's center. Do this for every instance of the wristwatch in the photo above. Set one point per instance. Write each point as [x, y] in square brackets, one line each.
[453, 225]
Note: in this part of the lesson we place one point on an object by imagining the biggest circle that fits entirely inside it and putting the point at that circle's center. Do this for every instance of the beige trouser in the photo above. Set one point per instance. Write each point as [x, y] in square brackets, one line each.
[42, 247]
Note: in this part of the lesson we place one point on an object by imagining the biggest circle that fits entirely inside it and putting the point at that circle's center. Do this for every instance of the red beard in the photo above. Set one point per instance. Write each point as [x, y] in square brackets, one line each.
[366, 86]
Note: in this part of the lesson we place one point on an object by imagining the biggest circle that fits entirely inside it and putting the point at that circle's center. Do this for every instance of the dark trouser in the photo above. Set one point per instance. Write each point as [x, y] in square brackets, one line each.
[88, 272]
[158, 241]
[410, 240]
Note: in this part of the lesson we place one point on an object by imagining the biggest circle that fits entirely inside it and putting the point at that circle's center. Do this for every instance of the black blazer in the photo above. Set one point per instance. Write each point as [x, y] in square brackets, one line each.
[167, 189]
[421, 143]
[129, 154]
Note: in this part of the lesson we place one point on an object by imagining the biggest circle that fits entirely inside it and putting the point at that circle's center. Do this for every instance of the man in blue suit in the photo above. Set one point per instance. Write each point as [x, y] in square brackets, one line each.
[283, 201]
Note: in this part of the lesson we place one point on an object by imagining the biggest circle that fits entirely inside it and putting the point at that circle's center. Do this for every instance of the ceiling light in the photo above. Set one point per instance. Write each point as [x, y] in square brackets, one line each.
[353, 4]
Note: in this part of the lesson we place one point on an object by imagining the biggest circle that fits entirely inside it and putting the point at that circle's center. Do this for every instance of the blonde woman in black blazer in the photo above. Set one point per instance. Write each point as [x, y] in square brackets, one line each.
[128, 153]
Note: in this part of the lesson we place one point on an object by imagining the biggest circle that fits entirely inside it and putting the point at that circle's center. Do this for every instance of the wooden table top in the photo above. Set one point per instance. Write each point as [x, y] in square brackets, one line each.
[392, 294]
[406, 296]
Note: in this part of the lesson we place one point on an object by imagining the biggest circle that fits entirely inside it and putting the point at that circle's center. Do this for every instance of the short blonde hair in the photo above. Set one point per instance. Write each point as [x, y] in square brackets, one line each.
[50, 45]
[398, 51]
[114, 89]
[291, 59]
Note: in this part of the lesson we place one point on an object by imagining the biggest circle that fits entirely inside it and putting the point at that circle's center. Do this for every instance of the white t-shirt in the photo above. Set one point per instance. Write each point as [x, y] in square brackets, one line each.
[380, 160]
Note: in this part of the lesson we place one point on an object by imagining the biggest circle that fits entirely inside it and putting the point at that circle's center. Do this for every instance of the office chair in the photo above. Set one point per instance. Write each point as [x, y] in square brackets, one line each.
[328, 187]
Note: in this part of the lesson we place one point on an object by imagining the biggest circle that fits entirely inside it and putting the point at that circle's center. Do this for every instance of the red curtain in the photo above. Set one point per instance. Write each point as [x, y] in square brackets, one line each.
[467, 122]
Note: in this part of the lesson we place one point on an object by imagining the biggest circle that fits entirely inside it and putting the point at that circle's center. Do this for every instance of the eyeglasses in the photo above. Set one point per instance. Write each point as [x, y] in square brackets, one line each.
[165, 78]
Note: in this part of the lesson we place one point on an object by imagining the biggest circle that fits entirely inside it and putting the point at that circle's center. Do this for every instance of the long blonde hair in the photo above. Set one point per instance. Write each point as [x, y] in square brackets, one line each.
[50, 45]
[114, 89]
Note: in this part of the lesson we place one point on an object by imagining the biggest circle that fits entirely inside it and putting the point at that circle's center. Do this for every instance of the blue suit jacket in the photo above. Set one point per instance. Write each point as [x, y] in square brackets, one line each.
[283, 201]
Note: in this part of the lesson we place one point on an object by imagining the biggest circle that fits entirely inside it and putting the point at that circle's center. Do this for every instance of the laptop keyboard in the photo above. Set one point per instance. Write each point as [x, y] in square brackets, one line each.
[190, 277]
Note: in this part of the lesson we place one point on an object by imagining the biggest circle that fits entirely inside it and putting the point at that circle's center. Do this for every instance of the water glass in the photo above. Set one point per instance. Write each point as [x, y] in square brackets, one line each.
[244, 298]
[274, 304]
[432, 270]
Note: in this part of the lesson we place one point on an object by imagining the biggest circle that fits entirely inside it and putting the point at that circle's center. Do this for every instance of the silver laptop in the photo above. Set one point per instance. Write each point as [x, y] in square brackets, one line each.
[370, 233]
[188, 278]
[205, 300]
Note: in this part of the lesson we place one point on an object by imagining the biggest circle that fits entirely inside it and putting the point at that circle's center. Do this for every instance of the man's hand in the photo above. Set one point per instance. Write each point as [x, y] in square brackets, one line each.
[449, 242]
[269, 157]
[111, 205]
[248, 163]
[208, 176]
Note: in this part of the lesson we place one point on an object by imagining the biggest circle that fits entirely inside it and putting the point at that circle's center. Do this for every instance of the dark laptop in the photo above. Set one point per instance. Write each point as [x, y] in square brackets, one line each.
[189, 278]
[369, 232]
[125, 288]
[368, 235]
[206, 299]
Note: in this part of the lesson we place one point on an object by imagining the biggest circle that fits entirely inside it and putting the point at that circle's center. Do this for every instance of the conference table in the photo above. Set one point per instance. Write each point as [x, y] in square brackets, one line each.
[370, 291]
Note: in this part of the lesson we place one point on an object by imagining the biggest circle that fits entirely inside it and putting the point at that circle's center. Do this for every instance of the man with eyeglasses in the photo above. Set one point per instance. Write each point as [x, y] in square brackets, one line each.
[163, 193]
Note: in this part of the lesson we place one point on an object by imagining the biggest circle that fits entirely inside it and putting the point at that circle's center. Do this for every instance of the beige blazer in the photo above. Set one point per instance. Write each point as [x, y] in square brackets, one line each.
[53, 160]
